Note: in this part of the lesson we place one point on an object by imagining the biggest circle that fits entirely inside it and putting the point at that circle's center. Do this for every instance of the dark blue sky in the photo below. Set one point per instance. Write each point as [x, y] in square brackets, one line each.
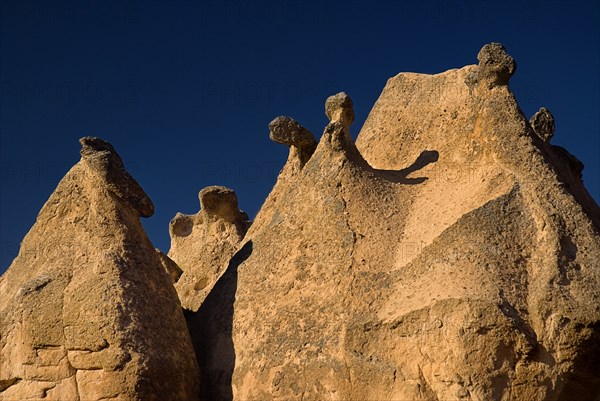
[185, 90]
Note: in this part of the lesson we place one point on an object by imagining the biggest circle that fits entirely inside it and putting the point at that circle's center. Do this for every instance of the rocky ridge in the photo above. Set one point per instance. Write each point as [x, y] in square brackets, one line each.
[450, 253]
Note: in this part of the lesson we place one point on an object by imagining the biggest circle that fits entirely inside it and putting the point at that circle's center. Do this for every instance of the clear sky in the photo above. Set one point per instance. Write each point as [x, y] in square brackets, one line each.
[185, 90]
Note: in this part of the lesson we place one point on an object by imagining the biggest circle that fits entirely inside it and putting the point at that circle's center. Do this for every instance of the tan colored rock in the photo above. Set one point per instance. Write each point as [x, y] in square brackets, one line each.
[169, 265]
[448, 255]
[339, 107]
[287, 131]
[202, 244]
[87, 310]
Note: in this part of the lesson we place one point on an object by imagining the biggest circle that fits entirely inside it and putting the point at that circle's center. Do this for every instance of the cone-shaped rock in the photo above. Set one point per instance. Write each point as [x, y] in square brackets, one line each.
[460, 262]
[500, 248]
[87, 310]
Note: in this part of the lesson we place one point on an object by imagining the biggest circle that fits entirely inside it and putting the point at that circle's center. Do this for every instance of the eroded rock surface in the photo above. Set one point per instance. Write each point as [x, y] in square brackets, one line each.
[202, 244]
[542, 123]
[88, 312]
[449, 255]
[302, 143]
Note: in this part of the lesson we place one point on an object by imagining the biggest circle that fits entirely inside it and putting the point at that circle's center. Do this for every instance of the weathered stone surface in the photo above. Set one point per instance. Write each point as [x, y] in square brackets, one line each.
[87, 310]
[202, 244]
[542, 123]
[287, 131]
[169, 265]
[448, 255]
[572, 165]
[496, 66]
[339, 107]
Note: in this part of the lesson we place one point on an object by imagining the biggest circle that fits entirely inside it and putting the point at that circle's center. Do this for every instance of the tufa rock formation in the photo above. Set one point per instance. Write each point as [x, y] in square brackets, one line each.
[302, 143]
[542, 123]
[495, 67]
[87, 310]
[450, 253]
[203, 244]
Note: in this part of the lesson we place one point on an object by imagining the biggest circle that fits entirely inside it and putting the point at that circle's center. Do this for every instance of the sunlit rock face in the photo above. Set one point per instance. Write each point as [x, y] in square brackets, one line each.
[87, 310]
[451, 253]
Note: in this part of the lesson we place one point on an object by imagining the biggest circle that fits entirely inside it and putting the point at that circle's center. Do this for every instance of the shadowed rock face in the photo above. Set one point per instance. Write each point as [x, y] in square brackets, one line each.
[450, 254]
[87, 310]
[542, 123]
[302, 143]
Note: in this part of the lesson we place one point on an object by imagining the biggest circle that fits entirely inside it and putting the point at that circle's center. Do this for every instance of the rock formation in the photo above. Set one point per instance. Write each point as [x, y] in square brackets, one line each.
[302, 143]
[450, 253]
[87, 310]
[542, 123]
[202, 244]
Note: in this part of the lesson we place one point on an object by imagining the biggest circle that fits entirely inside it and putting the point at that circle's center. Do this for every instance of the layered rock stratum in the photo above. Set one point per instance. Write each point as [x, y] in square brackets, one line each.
[451, 252]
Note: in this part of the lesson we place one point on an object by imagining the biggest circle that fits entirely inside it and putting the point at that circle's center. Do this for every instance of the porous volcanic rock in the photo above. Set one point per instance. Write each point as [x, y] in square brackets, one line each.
[88, 312]
[451, 254]
[302, 143]
[202, 244]
[542, 123]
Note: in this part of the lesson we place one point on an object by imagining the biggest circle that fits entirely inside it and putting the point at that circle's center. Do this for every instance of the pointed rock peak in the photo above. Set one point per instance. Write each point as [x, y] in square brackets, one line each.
[104, 161]
[89, 311]
[340, 108]
[542, 123]
[287, 131]
[91, 145]
[169, 265]
[496, 66]
[336, 136]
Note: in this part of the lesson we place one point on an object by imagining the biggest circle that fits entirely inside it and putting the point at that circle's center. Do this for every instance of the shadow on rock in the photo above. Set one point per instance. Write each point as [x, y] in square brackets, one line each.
[401, 176]
[211, 332]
